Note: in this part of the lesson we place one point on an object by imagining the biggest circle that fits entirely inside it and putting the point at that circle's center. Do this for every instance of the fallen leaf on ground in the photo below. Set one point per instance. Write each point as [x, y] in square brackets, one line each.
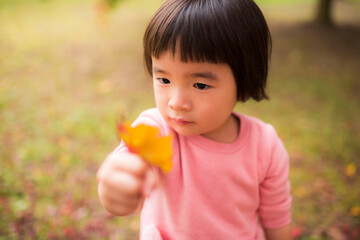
[350, 169]
[355, 211]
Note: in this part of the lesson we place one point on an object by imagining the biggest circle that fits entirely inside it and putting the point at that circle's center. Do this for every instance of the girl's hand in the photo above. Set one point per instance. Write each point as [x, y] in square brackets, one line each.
[124, 179]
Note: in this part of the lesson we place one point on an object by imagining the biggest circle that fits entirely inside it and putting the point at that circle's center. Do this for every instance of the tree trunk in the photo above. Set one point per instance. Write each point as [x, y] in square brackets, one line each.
[323, 15]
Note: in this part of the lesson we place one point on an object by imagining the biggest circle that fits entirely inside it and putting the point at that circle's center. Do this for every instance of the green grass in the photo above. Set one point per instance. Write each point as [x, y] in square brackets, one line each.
[66, 71]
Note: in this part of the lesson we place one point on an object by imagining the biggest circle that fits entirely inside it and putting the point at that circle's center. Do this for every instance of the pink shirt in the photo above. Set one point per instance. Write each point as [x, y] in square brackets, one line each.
[218, 190]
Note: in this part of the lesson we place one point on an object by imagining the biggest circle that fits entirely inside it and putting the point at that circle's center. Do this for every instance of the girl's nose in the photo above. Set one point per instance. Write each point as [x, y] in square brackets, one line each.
[179, 101]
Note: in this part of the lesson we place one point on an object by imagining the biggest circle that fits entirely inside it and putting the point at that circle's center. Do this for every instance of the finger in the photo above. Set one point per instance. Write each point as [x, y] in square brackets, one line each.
[151, 181]
[116, 196]
[123, 183]
[101, 168]
[131, 163]
[122, 188]
[118, 204]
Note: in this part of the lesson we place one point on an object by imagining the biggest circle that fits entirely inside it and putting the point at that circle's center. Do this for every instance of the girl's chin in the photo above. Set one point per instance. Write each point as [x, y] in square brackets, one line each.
[184, 132]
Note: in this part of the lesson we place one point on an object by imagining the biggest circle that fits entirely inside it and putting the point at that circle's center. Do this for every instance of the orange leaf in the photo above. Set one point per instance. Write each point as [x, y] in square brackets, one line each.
[350, 169]
[146, 142]
[355, 211]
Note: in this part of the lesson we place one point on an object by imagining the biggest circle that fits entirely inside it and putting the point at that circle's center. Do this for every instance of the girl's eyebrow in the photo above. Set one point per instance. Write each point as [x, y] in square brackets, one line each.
[158, 70]
[206, 75]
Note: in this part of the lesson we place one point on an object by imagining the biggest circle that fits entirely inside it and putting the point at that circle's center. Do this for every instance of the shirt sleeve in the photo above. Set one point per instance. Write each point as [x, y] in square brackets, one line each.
[275, 198]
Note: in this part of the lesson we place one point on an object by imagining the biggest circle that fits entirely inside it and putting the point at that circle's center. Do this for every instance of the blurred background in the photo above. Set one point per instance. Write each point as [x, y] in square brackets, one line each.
[68, 68]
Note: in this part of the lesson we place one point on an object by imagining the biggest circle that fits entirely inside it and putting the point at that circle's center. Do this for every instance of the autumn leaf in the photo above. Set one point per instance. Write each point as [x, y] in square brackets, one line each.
[350, 169]
[355, 211]
[146, 141]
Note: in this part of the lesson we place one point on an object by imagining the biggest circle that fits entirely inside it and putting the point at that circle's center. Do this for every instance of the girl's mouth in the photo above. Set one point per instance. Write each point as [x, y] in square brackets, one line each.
[180, 121]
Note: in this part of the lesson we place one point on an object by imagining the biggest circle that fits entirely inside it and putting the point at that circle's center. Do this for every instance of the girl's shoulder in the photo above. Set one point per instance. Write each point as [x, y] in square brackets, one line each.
[257, 127]
[270, 149]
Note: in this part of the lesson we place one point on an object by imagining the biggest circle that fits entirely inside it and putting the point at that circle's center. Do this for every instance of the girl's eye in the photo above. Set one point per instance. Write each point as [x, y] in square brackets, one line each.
[201, 86]
[164, 80]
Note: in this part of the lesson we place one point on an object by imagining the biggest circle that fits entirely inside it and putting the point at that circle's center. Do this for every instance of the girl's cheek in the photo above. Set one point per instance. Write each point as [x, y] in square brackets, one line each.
[160, 97]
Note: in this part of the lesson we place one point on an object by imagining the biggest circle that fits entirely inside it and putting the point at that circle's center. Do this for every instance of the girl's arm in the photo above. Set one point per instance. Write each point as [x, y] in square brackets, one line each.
[275, 198]
[283, 233]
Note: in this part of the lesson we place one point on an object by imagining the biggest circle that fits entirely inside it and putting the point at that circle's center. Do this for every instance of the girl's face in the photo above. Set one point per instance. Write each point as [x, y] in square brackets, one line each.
[196, 98]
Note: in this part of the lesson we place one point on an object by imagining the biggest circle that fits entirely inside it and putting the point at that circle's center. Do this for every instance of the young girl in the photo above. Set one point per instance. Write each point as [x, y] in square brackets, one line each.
[230, 171]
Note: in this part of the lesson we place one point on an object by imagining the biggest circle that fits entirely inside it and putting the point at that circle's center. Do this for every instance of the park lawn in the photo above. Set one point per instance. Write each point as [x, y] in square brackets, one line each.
[67, 69]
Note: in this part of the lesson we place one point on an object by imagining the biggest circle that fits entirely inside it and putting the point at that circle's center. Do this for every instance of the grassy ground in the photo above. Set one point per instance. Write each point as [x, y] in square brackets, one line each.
[67, 69]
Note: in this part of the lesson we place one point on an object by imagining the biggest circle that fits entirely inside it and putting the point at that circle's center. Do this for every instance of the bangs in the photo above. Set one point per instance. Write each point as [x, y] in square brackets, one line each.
[192, 29]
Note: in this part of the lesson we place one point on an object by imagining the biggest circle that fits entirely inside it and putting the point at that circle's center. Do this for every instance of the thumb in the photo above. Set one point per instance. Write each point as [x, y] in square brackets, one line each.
[151, 181]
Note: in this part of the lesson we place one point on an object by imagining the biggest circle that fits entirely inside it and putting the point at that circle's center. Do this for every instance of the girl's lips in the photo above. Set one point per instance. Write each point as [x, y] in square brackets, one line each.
[180, 121]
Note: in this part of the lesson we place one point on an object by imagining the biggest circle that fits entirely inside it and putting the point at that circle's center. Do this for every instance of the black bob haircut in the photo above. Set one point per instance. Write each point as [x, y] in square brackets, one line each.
[234, 32]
